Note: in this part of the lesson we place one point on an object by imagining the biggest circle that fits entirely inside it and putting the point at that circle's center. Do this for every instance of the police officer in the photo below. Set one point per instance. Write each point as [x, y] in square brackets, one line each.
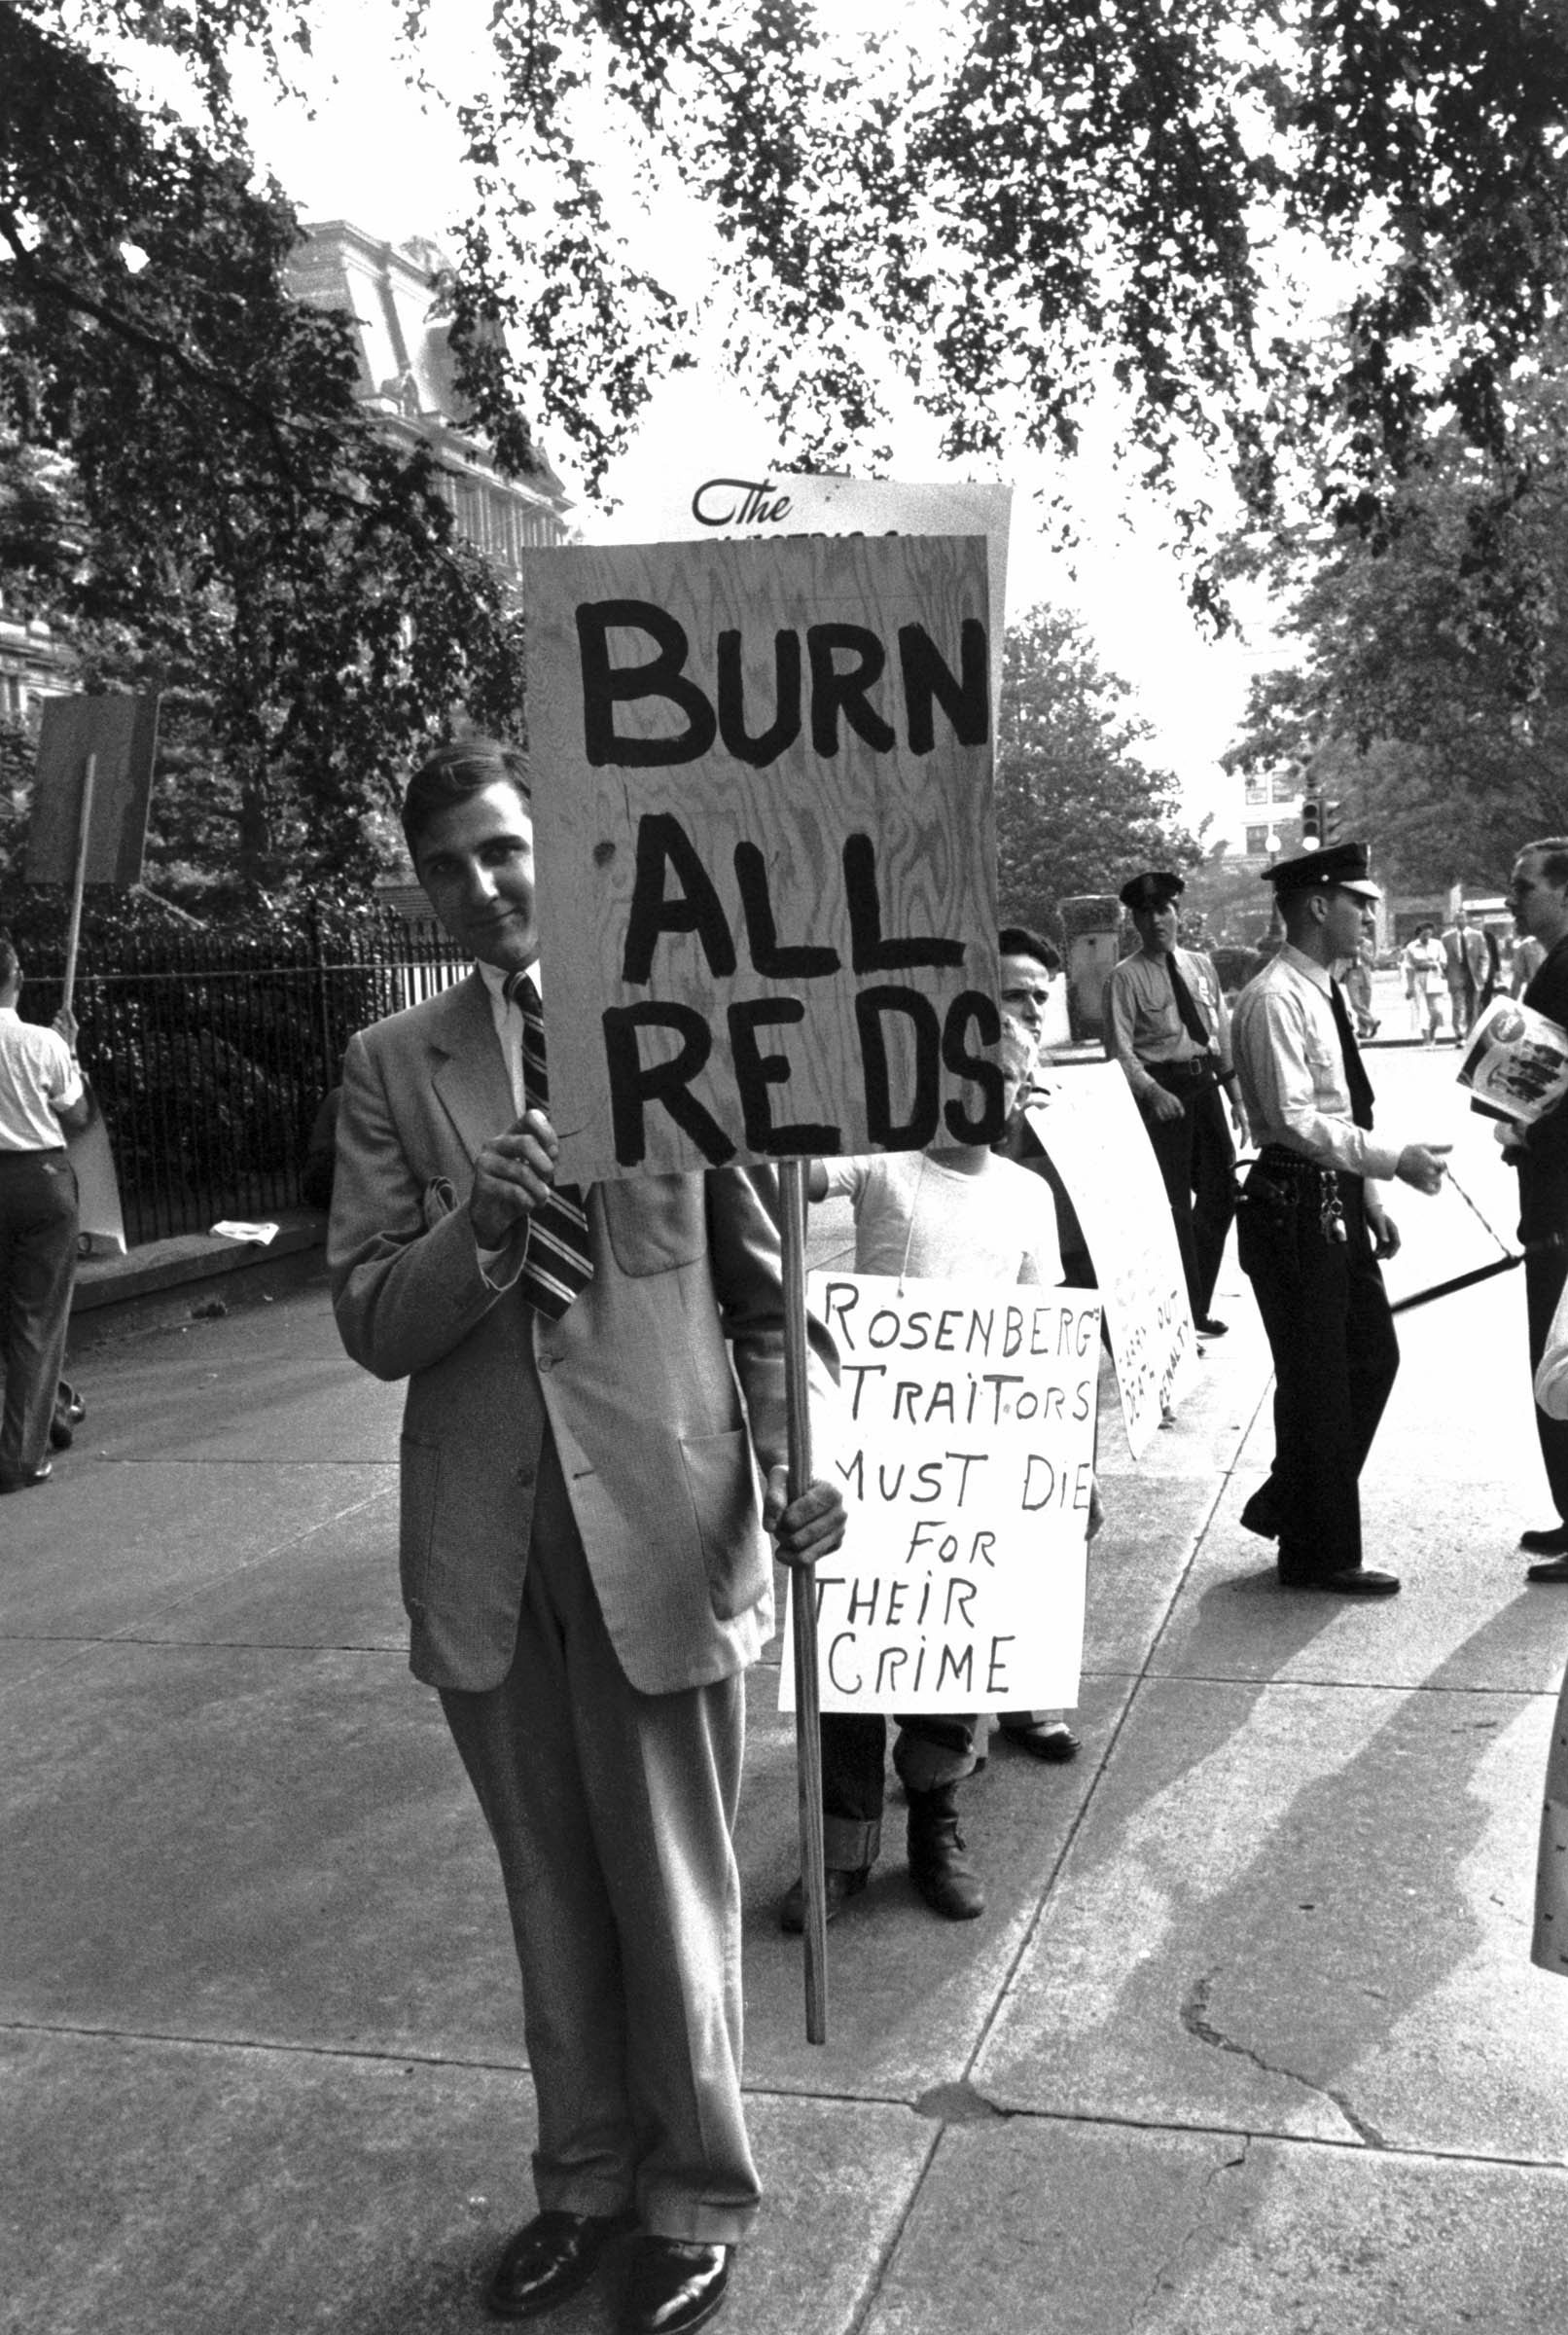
[1166, 1024]
[1312, 1226]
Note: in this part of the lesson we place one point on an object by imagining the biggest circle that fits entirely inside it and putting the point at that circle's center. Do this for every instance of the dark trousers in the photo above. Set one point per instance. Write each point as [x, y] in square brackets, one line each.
[1198, 1162]
[1545, 1275]
[929, 1751]
[612, 1812]
[1336, 1358]
[38, 1232]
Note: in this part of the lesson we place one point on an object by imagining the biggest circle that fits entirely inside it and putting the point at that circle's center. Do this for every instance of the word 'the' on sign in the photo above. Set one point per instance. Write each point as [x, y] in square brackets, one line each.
[766, 852]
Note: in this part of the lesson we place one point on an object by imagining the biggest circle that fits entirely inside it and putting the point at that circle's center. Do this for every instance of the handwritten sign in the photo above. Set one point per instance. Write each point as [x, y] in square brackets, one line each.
[964, 1442]
[735, 501]
[767, 848]
[1097, 1143]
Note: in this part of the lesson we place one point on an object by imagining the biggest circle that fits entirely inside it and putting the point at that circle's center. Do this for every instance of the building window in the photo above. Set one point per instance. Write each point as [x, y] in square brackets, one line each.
[1256, 843]
[1257, 788]
[1287, 785]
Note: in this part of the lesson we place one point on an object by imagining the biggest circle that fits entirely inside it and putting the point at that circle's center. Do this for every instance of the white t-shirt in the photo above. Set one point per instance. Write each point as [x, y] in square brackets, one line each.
[36, 1069]
[914, 1216]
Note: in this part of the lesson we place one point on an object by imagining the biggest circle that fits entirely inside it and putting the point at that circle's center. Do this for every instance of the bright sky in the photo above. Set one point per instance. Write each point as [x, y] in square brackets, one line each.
[369, 149]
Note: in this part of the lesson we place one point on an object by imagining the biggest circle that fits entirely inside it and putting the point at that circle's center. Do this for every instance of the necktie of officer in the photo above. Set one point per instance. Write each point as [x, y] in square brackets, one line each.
[558, 1266]
[1357, 1084]
[1194, 1019]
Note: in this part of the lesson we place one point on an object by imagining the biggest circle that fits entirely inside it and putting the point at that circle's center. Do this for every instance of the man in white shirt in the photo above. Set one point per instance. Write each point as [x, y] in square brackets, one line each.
[42, 1102]
[1312, 1226]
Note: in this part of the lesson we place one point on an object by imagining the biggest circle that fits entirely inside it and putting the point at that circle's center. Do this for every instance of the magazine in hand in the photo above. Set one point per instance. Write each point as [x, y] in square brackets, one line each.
[1517, 1066]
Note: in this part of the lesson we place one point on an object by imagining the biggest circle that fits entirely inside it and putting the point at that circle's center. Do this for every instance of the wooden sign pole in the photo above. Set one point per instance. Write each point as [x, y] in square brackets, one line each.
[802, 1606]
[84, 831]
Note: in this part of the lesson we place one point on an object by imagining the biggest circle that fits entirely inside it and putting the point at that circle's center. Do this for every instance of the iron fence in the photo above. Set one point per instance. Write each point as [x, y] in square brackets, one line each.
[209, 1054]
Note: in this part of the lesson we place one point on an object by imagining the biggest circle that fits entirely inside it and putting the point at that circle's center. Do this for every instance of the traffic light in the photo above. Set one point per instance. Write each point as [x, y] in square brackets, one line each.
[1330, 820]
[1311, 822]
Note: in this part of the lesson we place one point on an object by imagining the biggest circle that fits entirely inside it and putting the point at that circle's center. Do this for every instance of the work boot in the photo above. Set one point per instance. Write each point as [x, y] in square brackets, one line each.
[938, 1866]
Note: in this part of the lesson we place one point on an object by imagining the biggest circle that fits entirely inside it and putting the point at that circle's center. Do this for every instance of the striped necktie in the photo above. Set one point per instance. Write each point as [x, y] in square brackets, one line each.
[557, 1265]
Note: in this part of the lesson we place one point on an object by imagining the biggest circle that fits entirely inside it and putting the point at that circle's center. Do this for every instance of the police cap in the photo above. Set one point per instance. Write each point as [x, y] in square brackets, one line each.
[1337, 867]
[1153, 888]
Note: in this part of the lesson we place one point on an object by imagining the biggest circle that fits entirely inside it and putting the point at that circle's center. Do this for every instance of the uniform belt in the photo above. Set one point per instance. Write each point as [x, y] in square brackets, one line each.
[42, 1151]
[1194, 1065]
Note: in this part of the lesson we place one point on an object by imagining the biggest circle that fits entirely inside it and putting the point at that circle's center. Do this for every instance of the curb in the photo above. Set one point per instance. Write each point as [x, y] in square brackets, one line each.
[166, 1281]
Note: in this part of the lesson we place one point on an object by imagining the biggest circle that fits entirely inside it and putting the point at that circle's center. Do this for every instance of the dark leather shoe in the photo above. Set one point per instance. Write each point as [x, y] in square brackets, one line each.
[1056, 1743]
[674, 2286]
[1354, 1581]
[1552, 1569]
[1260, 1515]
[840, 1884]
[1551, 1540]
[548, 2259]
[1208, 1327]
[31, 1477]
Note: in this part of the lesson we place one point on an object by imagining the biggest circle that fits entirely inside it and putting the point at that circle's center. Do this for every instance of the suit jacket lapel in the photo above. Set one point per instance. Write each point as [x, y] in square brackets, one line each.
[471, 1074]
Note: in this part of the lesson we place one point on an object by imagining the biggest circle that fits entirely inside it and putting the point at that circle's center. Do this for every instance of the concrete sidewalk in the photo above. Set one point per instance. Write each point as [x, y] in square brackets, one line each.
[1247, 2038]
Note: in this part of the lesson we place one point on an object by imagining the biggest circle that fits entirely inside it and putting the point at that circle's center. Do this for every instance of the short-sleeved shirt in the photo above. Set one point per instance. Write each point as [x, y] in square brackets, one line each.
[914, 1216]
[1143, 1022]
[36, 1071]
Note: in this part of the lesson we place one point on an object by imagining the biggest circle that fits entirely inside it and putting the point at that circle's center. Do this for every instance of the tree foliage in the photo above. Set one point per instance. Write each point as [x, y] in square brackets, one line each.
[188, 489]
[1076, 810]
[1432, 699]
[1029, 201]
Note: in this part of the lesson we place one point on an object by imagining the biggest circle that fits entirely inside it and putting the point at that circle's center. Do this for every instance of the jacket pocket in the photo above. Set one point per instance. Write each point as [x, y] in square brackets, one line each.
[719, 1478]
[418, 1495]
[655, 1222]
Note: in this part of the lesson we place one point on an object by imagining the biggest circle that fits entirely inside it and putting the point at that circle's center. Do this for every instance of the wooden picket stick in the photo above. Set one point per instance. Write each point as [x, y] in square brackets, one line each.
[803, 1607]
[84, 832]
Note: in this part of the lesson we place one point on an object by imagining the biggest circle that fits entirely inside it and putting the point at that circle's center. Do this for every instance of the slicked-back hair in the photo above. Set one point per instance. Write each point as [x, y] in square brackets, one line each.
[9, 961]
[454, 772]
[1554, 855]
[1016, 940]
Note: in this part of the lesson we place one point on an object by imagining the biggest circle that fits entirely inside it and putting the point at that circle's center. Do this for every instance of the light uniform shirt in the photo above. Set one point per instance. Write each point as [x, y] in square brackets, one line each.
[914, 1216]
[1144, 1026]
[1292, 1069]
[36, 1070]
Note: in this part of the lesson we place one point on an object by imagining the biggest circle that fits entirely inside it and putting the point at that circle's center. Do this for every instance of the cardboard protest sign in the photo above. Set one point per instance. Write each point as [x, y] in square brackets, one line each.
[1516, 1063]
[964, 1444]
[767, 848]
[707, 506]
[122, 733]
[100, 1224]
[1097, 1143]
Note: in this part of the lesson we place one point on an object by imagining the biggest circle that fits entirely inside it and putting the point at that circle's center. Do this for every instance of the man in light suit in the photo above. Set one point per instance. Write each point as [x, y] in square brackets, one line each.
[1464, 969]
[582, 1556]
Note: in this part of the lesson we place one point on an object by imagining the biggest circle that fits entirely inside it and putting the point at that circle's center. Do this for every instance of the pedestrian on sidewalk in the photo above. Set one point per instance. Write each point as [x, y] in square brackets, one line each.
[1168, 1025]
[583, 1558]
[951, 1211]
[1424, 984]
[1313, 1226]
[43, 1099]
[1464, 966]
[1538, 896]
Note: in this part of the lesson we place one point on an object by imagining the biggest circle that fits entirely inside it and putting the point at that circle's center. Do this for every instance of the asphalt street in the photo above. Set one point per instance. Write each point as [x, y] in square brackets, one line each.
[1247, 2040]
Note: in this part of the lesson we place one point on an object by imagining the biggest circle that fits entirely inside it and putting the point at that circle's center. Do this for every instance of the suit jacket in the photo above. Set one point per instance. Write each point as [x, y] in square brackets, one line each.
[1465, 954]
[635, 1381]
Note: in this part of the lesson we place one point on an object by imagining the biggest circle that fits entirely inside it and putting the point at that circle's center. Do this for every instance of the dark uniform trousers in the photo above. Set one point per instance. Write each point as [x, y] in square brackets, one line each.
[1197, 1162]
[613, 1813]
[1543, 1220]
[38, 1232]
[1336, 1357]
